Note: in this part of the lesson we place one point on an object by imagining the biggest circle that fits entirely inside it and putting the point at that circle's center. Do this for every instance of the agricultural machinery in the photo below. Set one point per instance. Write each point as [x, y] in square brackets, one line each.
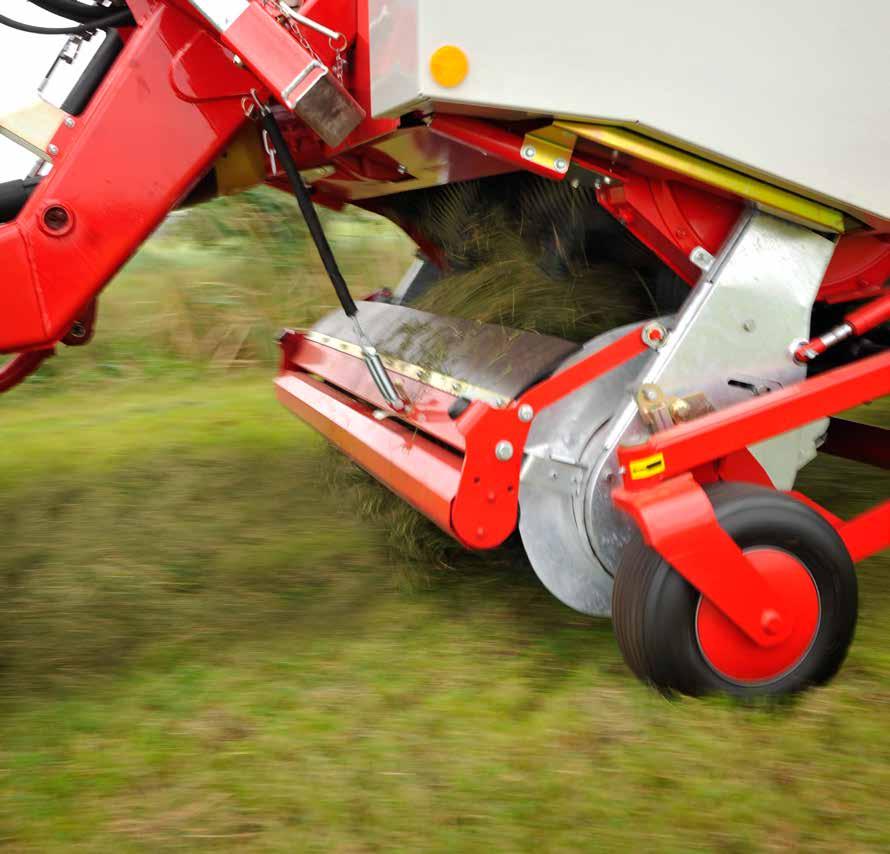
[734, 158]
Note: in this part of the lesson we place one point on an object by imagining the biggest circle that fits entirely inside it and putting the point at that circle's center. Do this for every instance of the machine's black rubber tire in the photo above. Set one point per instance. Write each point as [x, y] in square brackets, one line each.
[654, 608]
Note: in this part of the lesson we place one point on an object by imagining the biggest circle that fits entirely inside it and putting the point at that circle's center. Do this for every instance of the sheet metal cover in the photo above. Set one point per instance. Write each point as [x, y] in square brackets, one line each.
[503, 360]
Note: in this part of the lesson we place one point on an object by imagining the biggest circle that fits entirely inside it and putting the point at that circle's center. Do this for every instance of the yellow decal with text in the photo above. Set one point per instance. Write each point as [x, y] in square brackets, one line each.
[647, 467]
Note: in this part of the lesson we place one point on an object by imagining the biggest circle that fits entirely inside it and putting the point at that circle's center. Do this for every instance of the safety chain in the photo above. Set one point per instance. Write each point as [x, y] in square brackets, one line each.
[293, 20]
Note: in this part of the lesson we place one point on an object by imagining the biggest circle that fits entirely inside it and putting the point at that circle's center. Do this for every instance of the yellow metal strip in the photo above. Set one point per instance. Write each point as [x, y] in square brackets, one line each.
[435, 379]
[707, 172]
[550, 146]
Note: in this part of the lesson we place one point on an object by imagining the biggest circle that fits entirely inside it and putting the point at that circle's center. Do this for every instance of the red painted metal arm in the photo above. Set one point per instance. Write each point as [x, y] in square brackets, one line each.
[687, 446]
[121, 166]
[677, 520]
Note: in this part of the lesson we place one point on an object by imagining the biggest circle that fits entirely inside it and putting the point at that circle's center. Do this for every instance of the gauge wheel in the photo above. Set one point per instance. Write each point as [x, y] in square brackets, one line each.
[678, 641]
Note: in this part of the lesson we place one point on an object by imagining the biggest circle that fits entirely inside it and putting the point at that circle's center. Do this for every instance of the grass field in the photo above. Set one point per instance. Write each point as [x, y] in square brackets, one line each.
[203, 645]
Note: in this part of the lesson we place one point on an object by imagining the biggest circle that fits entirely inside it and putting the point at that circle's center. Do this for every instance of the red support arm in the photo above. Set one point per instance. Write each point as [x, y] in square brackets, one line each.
[121, 166]
[714, 436]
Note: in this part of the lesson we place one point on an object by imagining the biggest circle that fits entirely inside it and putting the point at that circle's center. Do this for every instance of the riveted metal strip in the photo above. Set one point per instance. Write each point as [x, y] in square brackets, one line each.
[434, 379]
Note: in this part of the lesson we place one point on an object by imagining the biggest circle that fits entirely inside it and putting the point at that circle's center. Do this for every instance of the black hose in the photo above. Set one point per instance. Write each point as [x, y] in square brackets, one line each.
[73, 9]
[309, 214]
[93, 75]
[118, 19]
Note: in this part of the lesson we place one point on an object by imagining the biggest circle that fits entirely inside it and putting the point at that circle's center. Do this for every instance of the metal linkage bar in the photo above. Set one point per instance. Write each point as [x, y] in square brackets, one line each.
[858, 322]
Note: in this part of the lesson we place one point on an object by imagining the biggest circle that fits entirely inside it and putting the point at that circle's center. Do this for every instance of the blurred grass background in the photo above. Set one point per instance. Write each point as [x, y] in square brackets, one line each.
[210, 638]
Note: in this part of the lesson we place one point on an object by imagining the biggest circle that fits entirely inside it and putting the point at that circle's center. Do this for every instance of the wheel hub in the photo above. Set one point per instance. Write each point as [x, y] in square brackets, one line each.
[732, 654]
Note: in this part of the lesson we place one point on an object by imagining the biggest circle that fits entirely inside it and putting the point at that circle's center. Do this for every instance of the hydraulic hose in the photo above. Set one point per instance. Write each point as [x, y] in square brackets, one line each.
[309, 214]
[73, 10]
[117, 19]
[371, 357]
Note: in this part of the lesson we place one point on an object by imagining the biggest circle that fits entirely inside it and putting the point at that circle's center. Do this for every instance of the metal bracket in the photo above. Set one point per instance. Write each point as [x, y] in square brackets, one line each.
[550, 147]
[33, 127]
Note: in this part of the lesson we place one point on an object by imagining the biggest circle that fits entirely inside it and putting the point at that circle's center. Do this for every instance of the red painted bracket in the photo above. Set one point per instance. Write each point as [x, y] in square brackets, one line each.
[677, 520]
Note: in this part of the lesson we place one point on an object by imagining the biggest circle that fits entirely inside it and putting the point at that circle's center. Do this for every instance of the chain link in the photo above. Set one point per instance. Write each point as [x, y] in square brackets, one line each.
[338, 44]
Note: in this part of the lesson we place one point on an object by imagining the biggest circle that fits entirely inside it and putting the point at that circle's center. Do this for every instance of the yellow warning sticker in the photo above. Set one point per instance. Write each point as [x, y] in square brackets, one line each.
[647, 467]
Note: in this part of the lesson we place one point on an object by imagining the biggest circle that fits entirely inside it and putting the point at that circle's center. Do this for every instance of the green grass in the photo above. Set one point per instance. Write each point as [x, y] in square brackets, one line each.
[201, 646]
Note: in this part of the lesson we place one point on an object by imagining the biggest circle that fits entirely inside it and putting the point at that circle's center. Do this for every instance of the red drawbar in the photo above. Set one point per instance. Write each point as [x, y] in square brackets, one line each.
[735, 656]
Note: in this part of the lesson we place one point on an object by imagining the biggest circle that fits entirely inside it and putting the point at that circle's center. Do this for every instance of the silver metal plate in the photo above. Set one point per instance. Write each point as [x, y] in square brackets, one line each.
[738, 321]
[499, 360]
[551, 521]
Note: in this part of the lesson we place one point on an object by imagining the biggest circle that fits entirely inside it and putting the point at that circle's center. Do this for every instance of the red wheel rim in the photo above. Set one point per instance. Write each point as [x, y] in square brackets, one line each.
[736, 657]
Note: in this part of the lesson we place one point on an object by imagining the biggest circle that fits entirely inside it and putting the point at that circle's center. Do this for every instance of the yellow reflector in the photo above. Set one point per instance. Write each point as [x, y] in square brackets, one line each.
[449, 66]
[647, 467]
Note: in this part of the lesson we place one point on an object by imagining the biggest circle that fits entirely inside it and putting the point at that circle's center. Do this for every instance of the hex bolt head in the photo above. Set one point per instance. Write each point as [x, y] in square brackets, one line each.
[749, 325]
[69, 122]
[503, 450]
[654, 335]
[526, 413]
[529, 152]
[561, 165]
[53, 149]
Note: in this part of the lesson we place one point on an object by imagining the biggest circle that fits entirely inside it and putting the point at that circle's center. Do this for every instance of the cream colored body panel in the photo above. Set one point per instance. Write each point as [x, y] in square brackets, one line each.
[792, 91]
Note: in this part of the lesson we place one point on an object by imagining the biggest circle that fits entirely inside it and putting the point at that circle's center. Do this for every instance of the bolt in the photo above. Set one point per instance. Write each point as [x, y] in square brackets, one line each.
[503, 451]
[598, 184]
[575, 184]
[650, 394]
[771, 622]
[238, 61]
[654, 335]
[561, 165]
[69, 122]
[607, 181]
[53, 149]
[701, 258]
[78, 330]
[55, 218]
[749, 325]
[526, 413]
[401, 169]
[530, 152]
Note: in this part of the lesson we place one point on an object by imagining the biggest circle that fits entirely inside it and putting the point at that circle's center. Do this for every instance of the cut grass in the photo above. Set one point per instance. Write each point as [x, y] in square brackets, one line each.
[201, 646]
